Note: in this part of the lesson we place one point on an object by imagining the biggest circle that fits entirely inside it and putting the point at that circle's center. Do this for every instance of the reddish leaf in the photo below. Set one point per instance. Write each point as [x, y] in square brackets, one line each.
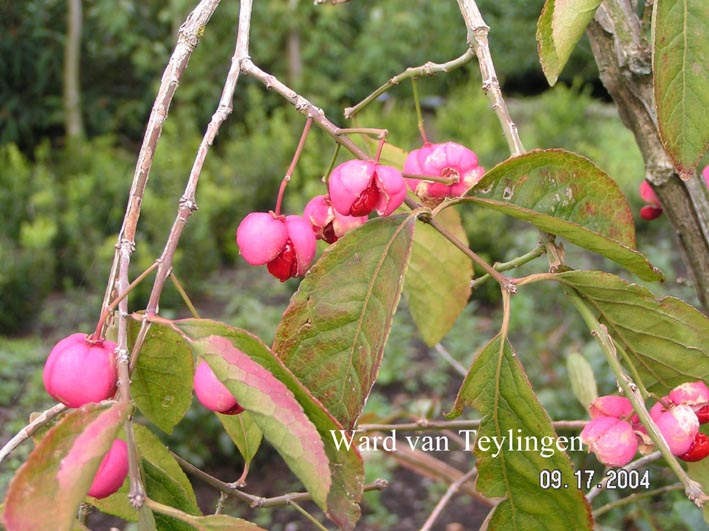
[346, 469]
[48, 488]
[333, 333]
[275, 410]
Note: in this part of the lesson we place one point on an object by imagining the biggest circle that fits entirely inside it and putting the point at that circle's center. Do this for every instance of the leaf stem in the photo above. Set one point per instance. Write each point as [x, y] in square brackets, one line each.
[692, 489]
[293, 163]
[512, 264]
[505, 283]
[419, 115]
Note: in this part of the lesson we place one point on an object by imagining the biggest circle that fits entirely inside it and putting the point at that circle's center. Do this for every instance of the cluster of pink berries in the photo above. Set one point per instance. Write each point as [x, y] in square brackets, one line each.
[356, 188]
[78, 371]
[653, 209]
[81, 370]
[286, 244]
[615, 433]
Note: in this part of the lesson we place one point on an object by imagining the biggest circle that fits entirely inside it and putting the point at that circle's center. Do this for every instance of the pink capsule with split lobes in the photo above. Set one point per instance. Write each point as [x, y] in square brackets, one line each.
[610, 406]
[286, 245]
[328, 224]
[679, 426]
[357, 187]
[613, 441]
[261, 237]
[693, 394]
[448, 161]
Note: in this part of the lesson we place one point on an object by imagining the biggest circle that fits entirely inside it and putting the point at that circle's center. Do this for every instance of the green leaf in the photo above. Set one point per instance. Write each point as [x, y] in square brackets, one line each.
[666, 339]
[218, 522]
[147, 520]
[437, 286]
[497, 387]
[346, 468]
[161, 384]
[332, 335]
[560, 26]
[681, 78]
[164, 479]
[244, 432]
[48, 488]
[699, 471]
[274, 409]
[566, 194]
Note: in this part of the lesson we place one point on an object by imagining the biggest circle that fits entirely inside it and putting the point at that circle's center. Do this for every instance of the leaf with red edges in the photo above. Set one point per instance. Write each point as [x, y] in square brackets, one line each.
[48, 488]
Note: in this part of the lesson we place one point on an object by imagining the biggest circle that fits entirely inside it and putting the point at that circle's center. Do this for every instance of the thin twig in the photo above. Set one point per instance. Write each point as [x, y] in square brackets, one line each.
[452, 490]
[506, 284]
[425, 425]
[303, 106]
[635, 497]
[638, 463]
[450, 359]
[258, 501]
[187, 201]
[307, 515]
[188, 39]
[427, 69]
[477, 40]
[25, 433]
[187, 204]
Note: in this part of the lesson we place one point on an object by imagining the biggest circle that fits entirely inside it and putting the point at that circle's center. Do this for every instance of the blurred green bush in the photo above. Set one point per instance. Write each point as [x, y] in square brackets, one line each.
[64, 206]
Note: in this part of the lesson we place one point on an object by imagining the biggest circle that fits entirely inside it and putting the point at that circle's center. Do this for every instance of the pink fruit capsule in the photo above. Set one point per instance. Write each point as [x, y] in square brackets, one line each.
[79, 371]
[613, 441]
[357, 187]
[111, 472]
[286, 245]
[679, 426]
[610, 406]
[212, 393]
[447, 160]
[693, 394]
[328, 224]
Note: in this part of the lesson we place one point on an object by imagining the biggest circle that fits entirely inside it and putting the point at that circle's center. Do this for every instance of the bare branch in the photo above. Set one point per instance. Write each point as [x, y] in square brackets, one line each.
[29, 430]
[453, 489]
[428, 69]
[477, 40]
